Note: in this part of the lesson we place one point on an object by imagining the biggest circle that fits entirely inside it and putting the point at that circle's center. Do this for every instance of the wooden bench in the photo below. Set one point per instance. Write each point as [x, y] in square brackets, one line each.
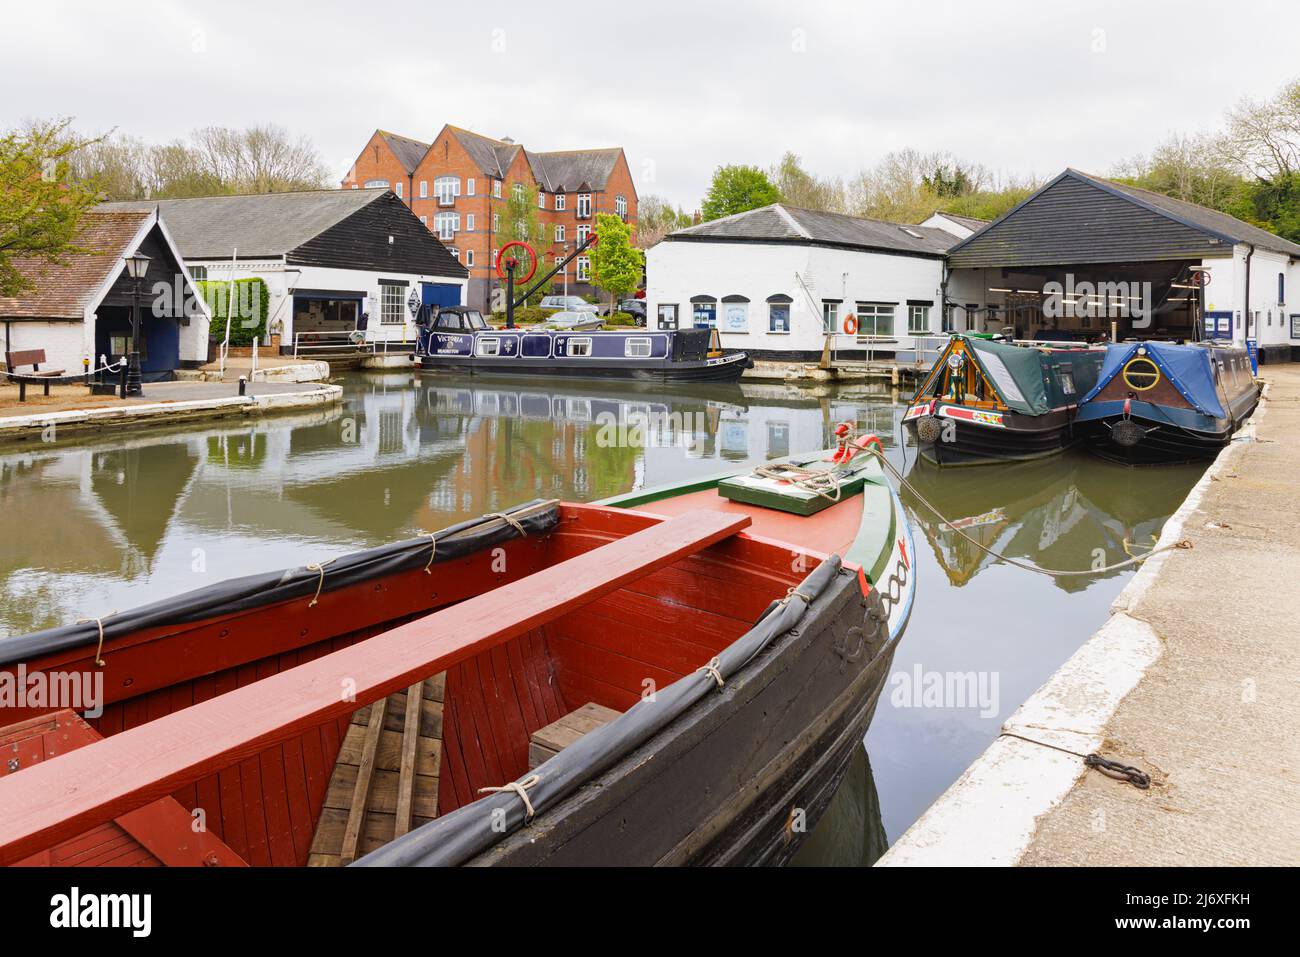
[33, 358]
[549, 741]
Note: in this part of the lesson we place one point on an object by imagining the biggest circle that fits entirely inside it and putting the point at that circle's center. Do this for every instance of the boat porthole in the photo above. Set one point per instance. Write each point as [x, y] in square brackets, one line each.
[1141, 374]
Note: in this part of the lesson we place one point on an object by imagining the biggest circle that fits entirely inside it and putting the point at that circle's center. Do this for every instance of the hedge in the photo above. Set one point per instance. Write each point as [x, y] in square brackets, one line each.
[251, 300]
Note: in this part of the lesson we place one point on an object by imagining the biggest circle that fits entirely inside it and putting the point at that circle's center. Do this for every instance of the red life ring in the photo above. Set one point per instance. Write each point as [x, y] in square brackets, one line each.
[851, 324]
[502, 260]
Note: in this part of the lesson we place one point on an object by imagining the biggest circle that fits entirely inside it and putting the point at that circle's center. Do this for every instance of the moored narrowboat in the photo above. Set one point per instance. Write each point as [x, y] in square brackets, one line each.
[986, 401]
[1162, 402]
[460, 339]
[674, 676]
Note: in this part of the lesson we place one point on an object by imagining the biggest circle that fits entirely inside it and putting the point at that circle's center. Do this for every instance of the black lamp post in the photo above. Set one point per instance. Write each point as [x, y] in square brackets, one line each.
[137, 267]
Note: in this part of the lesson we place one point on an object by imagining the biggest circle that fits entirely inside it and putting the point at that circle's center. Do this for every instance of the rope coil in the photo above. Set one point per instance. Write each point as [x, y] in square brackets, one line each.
[520, 788]
[99, 622]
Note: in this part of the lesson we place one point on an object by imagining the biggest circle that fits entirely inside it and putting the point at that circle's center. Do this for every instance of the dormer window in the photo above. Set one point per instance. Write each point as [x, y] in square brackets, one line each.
[584, 205]
[559, 202]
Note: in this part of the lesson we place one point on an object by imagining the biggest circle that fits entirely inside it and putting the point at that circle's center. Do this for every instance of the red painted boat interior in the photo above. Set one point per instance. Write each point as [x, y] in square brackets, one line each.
[609, 650]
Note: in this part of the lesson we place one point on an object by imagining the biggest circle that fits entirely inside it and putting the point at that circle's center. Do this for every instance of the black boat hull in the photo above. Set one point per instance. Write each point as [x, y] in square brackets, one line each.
[741, 779]
[725, 369]
[1161, 443]
[1018, 438]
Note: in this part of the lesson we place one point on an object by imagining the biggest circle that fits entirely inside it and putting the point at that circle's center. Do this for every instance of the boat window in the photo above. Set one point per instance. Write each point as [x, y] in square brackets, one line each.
[448, 320]
[1066, 378]
[580, 347]
[637, 347]
[475, 320]
[489, 346]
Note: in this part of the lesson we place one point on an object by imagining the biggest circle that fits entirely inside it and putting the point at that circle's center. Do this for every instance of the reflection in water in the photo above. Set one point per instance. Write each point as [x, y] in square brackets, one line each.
[850, 833]
[113, 523]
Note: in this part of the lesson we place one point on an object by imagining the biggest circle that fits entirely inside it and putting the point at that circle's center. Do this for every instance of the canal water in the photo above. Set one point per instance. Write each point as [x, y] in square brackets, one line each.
[128, 518]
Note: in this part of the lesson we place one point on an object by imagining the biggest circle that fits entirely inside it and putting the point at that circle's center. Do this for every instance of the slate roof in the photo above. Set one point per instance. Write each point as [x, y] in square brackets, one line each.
[266, 224]
[790, 224]
[409, 152]
[559, 171]
[64, 290]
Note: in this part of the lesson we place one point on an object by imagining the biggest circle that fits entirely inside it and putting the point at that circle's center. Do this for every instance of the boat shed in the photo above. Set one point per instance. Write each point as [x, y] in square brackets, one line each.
[775, 281]
[339, 265]
[79, 308]
[1084, 258]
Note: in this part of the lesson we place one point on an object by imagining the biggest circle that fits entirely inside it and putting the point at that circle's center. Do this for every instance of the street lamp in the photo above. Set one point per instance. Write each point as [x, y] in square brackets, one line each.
[137, 267]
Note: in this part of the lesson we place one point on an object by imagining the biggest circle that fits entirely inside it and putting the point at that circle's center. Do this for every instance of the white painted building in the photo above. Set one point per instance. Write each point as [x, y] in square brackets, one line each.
[80, 309]
[334, 261]
[777, 281]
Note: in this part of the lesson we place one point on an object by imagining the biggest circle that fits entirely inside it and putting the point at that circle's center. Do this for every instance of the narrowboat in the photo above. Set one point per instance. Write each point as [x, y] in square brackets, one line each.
[676, 676]
[985, 401]
[1162, 402]
[460, 339]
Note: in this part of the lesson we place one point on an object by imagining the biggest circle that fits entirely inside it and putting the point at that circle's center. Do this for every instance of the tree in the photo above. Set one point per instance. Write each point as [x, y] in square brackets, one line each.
[616, 265]
[800, 188]
[259, 159]
[40, 206]
[519, 222]
[656, 218]
[736, 189]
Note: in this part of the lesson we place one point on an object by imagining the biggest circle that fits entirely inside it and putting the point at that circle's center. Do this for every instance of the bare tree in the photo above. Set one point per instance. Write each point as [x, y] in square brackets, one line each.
[1263, 136]
[260, 159]
[800, 188]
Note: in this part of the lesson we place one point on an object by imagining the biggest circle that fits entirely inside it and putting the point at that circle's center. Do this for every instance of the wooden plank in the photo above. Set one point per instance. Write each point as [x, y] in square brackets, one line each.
[406, 772]
[51, 801]
[361, 791]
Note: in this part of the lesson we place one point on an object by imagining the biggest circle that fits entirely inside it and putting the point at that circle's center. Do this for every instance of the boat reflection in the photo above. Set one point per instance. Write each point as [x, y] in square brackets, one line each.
[1068, 513]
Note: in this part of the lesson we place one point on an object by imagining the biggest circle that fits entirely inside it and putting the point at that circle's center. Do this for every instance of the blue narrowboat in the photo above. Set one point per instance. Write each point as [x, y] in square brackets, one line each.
[460, 339]
[1162, 402]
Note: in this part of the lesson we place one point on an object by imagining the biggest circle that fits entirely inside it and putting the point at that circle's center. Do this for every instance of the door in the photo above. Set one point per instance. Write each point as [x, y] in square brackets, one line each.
[440, 294]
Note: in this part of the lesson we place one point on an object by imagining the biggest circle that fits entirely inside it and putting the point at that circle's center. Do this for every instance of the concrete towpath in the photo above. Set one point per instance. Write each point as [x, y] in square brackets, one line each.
[1195, 679]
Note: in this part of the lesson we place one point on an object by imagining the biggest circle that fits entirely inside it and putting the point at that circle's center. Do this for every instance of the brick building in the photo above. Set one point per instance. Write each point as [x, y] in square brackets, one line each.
[458, 184]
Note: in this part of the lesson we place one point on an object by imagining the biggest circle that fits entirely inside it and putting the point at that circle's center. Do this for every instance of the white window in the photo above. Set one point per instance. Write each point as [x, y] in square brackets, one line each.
[455, 253]
[425, 221]
[583, 233]
[918, 319]
[424, 189]
[778, 313]
[495, 255]
[541, 200]
[374, 183]
[469, 257]
[620, 206]
[496, 188]
[469, 222]
[637, 347]
[559, 233]
[397, 188]
[584, 268]
[496, 222]
[446, 188]
[830, 316]
[392, 304]
[584, 205]
[488, 346]
[198, 273]
[446, 225]
[875, 319]
[559, 201]
[469, 187]
[579, 347]
[518, 190]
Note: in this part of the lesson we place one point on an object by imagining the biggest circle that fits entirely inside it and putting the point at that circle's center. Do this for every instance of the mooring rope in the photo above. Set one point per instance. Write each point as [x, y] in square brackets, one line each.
[505, 517]
[1050, 572]
[319, 568]
[433, 550]
[1112, 769]
[99, 622]
[520, 788]
[711, 669]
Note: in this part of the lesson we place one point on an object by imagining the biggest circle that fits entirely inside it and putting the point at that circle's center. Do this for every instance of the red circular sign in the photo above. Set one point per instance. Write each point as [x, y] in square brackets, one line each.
[503, 261]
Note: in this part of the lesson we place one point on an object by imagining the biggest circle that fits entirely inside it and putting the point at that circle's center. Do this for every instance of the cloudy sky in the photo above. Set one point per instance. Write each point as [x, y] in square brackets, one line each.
[1025, 88]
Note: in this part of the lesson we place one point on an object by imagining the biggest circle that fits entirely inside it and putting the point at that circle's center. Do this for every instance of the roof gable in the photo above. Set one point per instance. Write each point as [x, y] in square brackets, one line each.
[407, 151]
[1081, 218]
[65, 289]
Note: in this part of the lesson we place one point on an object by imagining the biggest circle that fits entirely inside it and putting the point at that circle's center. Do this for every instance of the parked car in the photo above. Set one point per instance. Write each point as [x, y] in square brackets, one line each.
[633, 307]
[577, 319]
[567, 303]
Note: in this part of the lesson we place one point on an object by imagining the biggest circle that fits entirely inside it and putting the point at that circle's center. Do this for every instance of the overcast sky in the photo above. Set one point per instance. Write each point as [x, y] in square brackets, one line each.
[683, 86]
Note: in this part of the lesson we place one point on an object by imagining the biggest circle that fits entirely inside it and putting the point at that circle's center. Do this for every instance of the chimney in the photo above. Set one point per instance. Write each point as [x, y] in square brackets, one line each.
[695, 218]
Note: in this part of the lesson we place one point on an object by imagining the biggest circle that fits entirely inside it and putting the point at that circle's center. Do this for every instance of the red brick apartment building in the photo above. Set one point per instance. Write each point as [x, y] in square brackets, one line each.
[458, 183]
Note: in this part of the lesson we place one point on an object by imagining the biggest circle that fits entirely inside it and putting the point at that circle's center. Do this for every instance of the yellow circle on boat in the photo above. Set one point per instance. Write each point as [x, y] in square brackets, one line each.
[1141, 374]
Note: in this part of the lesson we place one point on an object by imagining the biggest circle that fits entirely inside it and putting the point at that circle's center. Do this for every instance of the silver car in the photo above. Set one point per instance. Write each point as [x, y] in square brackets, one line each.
[567, 304]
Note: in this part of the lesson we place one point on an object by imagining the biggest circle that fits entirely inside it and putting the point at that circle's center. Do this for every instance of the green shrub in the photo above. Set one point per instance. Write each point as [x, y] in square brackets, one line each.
[250, 299]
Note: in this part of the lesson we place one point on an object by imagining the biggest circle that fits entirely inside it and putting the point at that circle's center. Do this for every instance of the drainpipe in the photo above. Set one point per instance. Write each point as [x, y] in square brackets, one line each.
[1245, 315]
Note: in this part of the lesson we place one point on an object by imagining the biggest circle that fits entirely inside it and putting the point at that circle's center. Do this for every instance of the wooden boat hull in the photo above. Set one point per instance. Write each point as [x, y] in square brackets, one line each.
[950, 435]
[731, 775]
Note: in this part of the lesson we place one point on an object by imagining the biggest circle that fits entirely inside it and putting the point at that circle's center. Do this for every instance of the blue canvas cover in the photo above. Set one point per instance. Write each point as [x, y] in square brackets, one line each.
[1186, 367]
